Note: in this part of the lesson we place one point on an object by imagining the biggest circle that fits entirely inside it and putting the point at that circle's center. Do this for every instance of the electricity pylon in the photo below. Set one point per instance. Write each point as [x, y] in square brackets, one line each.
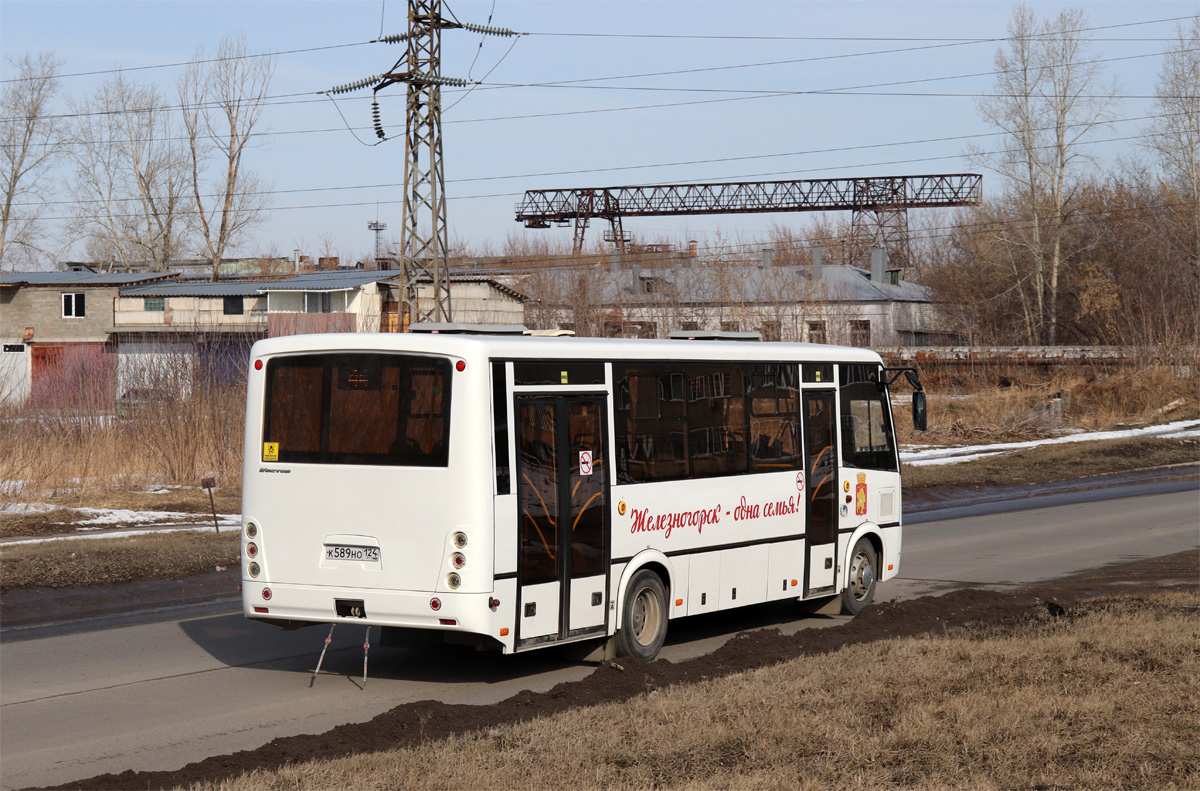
[423, 250]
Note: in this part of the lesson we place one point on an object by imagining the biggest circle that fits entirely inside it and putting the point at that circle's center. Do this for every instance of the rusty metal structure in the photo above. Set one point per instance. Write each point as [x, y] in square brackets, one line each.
[423, 249]
[880, 204]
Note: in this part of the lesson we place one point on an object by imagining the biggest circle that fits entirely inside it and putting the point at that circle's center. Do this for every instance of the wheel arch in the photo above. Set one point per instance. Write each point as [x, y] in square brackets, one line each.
[872, 533]
[651, 560]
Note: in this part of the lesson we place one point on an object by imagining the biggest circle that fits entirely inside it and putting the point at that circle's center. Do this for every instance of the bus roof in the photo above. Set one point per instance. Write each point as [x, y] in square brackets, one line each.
[512, 347]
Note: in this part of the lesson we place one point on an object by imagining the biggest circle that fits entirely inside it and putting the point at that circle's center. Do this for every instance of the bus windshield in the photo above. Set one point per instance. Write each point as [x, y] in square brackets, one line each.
[355, 408]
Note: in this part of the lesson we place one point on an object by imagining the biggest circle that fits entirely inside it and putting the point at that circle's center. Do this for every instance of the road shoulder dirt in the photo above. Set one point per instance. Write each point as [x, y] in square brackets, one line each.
[417, 723]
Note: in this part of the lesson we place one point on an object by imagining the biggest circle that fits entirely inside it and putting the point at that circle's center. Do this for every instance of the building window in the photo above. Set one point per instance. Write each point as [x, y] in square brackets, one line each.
[319, 302]
[816, 332]
[860, 332]
[233, 306]
[73, 306]
[689, 326]
[771, 331]
[150, 304]
[729, 326]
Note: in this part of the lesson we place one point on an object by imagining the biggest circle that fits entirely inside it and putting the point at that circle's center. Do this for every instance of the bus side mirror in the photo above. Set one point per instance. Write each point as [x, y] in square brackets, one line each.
[918, 410]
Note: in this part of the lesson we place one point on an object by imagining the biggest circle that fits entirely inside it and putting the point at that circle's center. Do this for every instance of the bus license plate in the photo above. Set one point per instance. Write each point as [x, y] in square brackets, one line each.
[338, 552]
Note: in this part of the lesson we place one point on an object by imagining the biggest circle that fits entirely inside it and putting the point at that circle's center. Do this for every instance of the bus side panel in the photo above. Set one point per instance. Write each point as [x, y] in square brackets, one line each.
[506, 534]
[889, 564]
[743, 576]
[704, 584]
[785, 570]
[681, 565]
[708, 513]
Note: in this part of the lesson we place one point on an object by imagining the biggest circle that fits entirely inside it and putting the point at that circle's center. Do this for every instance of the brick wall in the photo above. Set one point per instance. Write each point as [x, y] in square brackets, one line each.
[40, 307]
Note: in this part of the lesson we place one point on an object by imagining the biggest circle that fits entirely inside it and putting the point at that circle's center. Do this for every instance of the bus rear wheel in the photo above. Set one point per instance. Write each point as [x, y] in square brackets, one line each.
[643, 618]
[860, 587]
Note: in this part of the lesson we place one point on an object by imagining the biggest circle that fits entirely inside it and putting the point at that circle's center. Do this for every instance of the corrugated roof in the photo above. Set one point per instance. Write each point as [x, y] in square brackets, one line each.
[486, 279]
[196, 288]
[722, 285]
[329, 281]
[80, 278]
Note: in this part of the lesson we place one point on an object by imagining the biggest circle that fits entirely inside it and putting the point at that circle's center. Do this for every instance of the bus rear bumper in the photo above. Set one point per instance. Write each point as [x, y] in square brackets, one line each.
[488, 614]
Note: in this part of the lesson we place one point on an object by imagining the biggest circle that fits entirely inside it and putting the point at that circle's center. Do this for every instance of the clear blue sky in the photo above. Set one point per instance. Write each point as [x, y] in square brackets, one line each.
[496, 146]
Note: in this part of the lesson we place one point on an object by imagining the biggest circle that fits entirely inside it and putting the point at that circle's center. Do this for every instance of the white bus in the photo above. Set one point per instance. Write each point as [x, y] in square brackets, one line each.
[513, 492]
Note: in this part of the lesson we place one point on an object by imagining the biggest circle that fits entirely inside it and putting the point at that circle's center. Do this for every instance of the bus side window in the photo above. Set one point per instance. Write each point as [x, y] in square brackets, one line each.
[867, 438]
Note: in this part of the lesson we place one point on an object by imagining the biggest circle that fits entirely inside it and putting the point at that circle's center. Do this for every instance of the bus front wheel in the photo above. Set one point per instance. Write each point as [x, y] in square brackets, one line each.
[860, 587]
[643, 618]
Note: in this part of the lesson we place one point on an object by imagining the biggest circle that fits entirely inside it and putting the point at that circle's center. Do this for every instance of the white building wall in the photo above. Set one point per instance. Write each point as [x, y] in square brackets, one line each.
[155, 364]
[792, 319]
[16, 374]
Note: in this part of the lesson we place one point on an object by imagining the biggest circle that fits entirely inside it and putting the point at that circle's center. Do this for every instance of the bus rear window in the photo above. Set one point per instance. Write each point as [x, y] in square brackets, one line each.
[378, 409]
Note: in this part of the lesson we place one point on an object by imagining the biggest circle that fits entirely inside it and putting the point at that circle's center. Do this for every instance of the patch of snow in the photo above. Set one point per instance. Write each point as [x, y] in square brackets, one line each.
[960, 453]
[124, 516]
[112, 534]
[26, 508]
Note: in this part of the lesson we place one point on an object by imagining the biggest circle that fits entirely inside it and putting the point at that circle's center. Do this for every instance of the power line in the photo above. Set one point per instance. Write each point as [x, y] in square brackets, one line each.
[680, 163]
[122, 69]
[863, 38]
[943, 41]
[742, 177]
[856, 90]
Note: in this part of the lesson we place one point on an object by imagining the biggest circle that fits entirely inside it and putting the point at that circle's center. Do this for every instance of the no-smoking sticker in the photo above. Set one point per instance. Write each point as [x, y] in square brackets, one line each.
[585, 462]
[800, 481]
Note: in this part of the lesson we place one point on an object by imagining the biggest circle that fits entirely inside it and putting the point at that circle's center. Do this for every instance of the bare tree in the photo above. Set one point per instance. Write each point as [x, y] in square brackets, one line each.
[222, 105]
[1175, 131]
[28, 146]
[1048, 97]
[131, 175]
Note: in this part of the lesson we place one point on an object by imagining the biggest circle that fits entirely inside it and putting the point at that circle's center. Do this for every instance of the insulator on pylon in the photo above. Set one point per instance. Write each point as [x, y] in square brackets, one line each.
[354, 86]
[375, 116]
[394, 38]
[488, 30]
[456, 82]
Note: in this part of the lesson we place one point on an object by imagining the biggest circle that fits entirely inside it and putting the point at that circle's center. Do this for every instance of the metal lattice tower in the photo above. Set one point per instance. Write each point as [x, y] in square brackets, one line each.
[378, 227]
[423, 250]
[879, 204]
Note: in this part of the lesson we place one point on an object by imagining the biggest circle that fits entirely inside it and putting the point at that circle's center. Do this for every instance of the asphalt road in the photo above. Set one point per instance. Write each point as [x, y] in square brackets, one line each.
[160, 695]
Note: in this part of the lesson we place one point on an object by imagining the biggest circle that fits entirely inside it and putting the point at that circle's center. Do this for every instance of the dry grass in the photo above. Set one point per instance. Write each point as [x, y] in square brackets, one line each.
[1102, 699]
[1010, 404]
[191, 503]
[78, 440]
[74, 564]
[1049, 463]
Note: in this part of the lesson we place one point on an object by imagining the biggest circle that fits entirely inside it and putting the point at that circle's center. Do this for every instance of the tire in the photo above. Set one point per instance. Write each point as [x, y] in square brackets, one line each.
[860, 584]
[643, 617]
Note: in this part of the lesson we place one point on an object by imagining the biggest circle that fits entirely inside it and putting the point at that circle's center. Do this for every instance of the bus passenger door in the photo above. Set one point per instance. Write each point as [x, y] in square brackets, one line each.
[562, 493]
[820, 468]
